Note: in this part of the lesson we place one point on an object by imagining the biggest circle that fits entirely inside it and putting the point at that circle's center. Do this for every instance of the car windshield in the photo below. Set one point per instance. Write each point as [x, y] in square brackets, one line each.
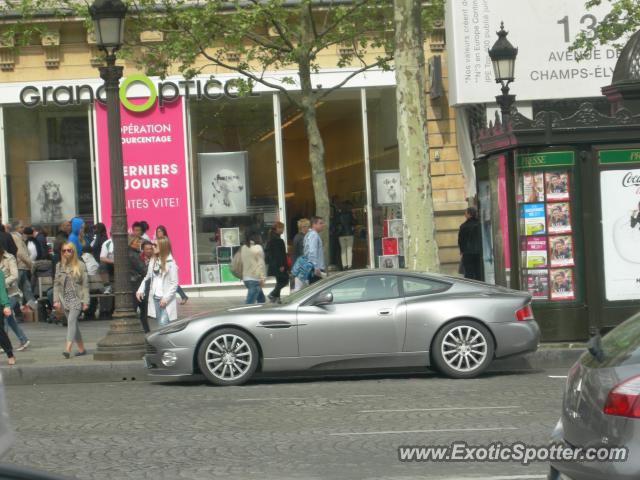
[621, 346]
[300, 294]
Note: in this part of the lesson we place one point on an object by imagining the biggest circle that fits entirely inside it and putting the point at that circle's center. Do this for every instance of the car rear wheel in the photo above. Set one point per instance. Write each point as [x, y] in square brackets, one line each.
[228, 357]
[462, 349]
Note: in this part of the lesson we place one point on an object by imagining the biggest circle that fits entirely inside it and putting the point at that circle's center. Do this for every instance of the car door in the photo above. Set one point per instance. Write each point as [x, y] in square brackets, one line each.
[366, 316]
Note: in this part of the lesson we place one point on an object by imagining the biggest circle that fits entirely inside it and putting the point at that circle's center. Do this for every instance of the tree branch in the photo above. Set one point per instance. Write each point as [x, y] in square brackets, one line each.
[338, 21]
[248, 74]
[266, 43]
[276, 25]
[353, 74]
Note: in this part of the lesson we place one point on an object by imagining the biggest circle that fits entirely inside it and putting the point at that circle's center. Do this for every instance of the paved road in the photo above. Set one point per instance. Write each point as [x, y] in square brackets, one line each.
[346, 428]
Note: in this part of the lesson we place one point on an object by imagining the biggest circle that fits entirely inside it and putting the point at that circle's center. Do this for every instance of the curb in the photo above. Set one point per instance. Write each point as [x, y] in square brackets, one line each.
[134, 371]
[100, 372]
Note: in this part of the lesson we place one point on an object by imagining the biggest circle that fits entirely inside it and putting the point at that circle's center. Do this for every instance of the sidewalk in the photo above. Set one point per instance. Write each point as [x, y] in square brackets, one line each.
[43, 362]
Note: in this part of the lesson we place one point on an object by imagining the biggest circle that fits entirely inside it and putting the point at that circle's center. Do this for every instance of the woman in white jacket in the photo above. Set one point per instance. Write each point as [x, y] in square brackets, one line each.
[162, 274]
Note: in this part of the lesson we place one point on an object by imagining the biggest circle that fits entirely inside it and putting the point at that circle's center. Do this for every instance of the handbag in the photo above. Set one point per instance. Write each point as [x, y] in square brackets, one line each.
[236, 264]
[303, 268]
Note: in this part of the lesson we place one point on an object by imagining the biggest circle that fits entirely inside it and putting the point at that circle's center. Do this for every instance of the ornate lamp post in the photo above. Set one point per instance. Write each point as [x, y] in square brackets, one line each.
[503, 56]
[125, 339]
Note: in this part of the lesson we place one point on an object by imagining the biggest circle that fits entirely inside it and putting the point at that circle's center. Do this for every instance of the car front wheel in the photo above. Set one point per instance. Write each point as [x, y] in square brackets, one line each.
[463, 349]
[228, 357]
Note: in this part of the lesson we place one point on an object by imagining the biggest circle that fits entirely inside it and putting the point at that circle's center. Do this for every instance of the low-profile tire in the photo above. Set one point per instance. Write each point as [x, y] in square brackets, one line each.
[228, 357]
[462, 349]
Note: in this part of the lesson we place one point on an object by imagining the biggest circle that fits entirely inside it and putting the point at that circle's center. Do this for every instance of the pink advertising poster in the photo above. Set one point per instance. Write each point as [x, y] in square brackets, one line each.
[155, 174]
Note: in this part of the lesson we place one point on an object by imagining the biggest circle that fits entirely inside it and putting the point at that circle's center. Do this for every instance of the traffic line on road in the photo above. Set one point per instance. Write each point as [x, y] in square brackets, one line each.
[439, 409]
[498, 477]
[365, 396]
[557, 376]
[269, 399]
[440, 430]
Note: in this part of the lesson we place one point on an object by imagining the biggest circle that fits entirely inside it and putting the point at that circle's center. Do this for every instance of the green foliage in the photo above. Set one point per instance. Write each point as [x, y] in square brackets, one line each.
[623, 19]
[251, 37]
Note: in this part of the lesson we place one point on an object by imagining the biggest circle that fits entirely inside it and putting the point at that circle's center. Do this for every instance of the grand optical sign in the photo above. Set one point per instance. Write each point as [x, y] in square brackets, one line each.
[542, 30]
[160, 92]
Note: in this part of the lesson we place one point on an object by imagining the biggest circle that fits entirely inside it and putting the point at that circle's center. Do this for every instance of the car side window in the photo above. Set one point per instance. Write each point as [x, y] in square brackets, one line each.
[421, 286]
[366, 288]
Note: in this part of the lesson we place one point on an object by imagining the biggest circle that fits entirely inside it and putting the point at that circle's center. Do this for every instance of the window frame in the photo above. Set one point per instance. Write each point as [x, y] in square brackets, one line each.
[444, 286]
[394, 297]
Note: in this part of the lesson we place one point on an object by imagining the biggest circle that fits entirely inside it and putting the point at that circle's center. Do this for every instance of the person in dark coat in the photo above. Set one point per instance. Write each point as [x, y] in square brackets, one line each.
[470, 243]
[8, 244]
[276, 259]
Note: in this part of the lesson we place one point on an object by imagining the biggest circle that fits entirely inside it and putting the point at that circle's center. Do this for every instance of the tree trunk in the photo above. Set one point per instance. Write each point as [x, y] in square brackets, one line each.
[318, 173]
[421, 250]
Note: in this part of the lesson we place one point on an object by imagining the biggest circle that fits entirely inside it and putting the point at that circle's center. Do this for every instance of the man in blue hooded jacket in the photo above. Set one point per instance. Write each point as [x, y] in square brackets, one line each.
[76, 233]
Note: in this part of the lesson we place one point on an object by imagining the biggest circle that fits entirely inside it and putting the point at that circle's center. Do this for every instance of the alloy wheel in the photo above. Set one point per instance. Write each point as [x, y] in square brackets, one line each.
[228, 357]
[464, 348]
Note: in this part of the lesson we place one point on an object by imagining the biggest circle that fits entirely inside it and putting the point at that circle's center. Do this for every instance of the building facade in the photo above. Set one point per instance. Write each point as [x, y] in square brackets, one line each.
[204, 162]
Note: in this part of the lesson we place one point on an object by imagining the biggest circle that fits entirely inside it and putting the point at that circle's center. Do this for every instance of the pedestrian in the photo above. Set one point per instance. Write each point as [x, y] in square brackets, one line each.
[89, 261]
[99, 237]
[313, 248]
[9, 269]
[77, 234]
[106, 264]
[298, 249]
[146, 256]
[6, 240]
[40, 234]
[253, 268]
[71, 294]
[5, 343]
[64, 230]
[345, 228]
[34, 248]
[276, 260]
[137, 230]
[470, 244]
[163, 275]
[161, 232]
[24, 269]
[145, 229]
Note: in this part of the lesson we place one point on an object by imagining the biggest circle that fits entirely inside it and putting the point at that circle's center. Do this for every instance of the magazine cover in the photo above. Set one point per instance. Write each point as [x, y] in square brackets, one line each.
[536, 252]
[533, 187]
[537, 282]
[534, 221]
[558, 218]
[562, 284]
[561, 251]
[557, 185]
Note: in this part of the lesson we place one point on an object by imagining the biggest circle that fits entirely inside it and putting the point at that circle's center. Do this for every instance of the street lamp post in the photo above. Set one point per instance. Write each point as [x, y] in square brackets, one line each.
[503, 57]
[125, 339]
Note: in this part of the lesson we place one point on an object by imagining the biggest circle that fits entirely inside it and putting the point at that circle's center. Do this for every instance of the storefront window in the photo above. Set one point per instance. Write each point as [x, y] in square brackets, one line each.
[340, 121]
[234, 179]
[385, 178]
[49, 175]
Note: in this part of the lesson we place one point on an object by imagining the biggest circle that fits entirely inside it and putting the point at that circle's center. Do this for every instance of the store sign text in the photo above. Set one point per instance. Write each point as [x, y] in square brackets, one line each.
[164, 92]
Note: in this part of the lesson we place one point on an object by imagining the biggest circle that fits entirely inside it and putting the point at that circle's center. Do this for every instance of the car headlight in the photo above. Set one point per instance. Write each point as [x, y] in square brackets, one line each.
[176, 327]
[169, 359]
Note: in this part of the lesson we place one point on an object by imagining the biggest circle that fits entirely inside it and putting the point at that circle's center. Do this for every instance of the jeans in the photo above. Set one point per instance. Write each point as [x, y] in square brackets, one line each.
[254, 292]
[282, 279]
[10, 321]
[162, 316]
[24, 283]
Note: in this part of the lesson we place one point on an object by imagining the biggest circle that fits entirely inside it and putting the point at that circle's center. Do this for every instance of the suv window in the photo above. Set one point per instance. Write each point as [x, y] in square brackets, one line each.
[421, 286]
[365, 288]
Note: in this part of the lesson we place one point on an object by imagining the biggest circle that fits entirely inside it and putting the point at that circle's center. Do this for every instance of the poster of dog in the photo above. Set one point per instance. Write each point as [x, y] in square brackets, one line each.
[388, 191]
[52, 190]
[223, 183]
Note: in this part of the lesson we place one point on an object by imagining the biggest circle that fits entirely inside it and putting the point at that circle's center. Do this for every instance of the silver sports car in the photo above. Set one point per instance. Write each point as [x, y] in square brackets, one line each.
[353, 320]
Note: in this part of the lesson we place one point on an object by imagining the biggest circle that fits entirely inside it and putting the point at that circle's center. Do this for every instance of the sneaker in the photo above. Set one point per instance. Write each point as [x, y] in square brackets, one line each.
[80, 354]
[23, 346]
[66, 355]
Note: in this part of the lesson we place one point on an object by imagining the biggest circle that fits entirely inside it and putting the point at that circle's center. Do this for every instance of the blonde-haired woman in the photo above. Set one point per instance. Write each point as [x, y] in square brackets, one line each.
[71, 293]
[163, 276]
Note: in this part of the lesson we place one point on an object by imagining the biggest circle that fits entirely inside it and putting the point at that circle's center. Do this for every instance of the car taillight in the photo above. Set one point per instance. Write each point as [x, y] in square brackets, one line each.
[525, 313]
[624, 399]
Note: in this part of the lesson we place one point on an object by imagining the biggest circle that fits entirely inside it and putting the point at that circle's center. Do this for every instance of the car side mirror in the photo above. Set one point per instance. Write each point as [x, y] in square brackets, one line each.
[325, 298]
